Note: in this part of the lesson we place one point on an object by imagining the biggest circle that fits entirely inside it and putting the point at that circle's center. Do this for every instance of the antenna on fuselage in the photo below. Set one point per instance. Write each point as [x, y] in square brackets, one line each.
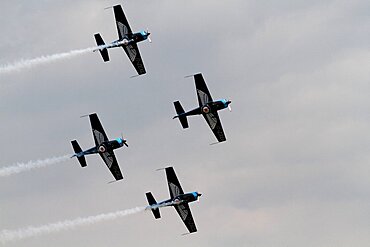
[110, 7]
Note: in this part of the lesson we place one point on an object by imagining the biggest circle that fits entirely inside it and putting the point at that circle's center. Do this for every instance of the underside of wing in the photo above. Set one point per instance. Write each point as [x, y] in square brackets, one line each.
[214, 123]
[204, 96]
[123, 28]
[112, 164]
[133, 54]
[173, 183]
[97, 129]
[185, 214]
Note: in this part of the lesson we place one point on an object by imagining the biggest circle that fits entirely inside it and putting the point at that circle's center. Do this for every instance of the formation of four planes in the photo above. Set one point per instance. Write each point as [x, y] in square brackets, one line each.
[105, 147]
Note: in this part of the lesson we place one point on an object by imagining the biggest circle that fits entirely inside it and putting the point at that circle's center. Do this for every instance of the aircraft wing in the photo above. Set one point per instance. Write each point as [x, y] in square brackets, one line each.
[173, 183]
[133, 54]
[185, 214]
[123, 28]
[204, 96]
[112, 164]
[97, 129]
[214, 123]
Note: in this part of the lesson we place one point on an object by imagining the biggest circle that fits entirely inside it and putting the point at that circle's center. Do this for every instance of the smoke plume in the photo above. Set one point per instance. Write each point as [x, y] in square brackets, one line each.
[28, 63]
[33, 231]
[30, 165]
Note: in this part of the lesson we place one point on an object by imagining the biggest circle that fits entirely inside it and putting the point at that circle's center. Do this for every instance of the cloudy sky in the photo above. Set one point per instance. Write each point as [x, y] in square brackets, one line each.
[293, 172]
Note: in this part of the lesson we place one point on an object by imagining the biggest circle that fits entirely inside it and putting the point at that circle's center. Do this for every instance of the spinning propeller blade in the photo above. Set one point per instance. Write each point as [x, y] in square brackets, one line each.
[147, 31]
[124, 141]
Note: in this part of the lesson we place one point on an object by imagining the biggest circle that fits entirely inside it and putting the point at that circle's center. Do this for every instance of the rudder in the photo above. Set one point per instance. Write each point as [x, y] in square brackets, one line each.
[103, 52]
[180, 111]
[77, 149]
[151, 202]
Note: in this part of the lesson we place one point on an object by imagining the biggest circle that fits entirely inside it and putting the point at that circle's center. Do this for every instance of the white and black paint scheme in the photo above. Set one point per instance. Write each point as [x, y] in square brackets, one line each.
[126, 39]
[103, 146]
[178, 200]
[207, 107]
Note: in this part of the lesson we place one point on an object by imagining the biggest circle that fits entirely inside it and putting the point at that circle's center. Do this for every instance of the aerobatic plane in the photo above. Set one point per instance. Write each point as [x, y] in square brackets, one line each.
[178, 200]
[103, 146]
[207, 107]
[126, 39]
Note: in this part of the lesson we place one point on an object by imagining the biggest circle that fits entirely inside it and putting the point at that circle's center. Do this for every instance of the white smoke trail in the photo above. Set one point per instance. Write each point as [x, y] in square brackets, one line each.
[32, 231]
[28, 63]
[22, 167]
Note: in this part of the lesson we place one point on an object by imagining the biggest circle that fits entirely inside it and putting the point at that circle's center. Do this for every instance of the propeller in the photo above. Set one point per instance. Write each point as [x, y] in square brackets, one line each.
[147, 31]
[123, 140]
[199, 195]
[229, 105]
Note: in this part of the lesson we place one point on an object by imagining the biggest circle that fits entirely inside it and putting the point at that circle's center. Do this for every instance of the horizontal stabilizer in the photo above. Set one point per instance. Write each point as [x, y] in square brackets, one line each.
[152, 202]
[103, 52]
[77, 149]
[180, 111]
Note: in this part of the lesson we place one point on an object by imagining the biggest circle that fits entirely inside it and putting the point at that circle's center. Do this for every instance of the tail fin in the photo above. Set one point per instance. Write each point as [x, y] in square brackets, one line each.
[77, 149]
[182, 118]
[103, 52]
[151, 202]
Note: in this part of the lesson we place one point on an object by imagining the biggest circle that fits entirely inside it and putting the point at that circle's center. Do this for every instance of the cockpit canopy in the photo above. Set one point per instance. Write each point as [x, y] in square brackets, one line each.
[225, 102]
[120, 140]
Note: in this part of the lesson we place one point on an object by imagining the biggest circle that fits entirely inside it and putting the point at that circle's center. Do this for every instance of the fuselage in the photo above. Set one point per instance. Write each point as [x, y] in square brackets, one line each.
[104, 147]
[207, 108]
[130, 39]
[183, 198]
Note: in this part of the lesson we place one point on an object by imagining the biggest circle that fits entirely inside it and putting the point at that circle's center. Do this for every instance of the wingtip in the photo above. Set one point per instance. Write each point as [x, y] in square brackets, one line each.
[193, 75]
[113, 181]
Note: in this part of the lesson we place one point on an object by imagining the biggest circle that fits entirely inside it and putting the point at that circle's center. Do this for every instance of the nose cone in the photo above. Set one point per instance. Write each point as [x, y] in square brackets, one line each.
[199, 194]
[228, 102]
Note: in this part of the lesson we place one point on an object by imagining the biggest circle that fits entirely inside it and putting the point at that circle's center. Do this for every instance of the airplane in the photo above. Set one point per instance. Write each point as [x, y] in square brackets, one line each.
[127, 40]
[178, 200]
[207, 107]
[103, 146]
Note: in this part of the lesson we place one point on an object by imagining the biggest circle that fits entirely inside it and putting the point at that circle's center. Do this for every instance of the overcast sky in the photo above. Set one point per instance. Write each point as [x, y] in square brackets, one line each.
[294, 170]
